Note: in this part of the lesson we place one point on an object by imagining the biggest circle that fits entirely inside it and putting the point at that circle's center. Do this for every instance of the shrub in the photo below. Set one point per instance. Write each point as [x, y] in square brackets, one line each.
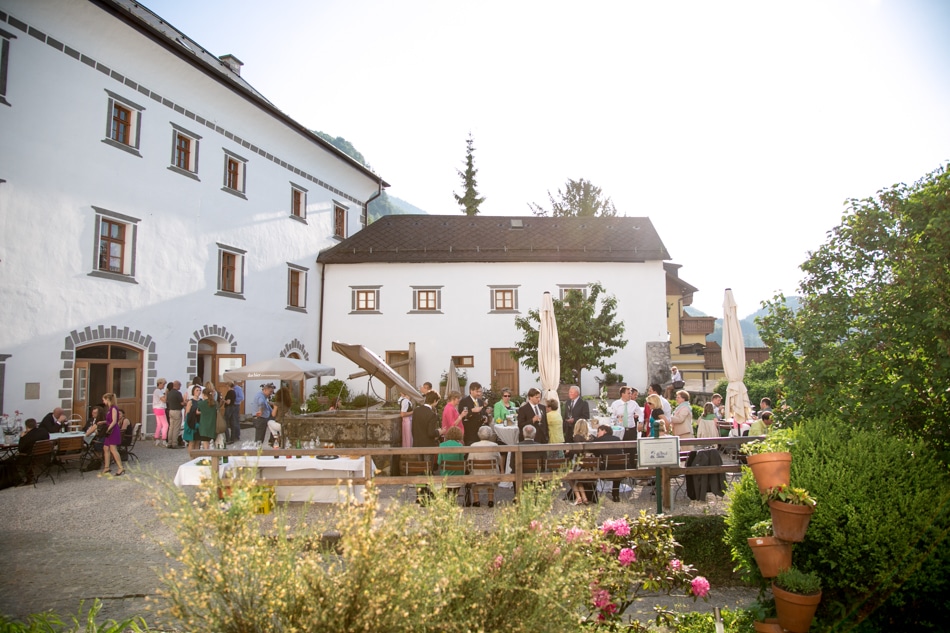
[362, 401]
[878, 539]
[406, 568]
[702, 540]
[51, 623]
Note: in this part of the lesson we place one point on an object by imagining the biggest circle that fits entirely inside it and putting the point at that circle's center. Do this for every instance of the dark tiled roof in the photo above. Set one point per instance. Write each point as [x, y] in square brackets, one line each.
[460, 238]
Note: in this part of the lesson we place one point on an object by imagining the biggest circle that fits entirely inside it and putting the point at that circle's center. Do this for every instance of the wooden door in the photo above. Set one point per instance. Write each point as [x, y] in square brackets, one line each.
[399, 361]
[504, 370]
[92, 379]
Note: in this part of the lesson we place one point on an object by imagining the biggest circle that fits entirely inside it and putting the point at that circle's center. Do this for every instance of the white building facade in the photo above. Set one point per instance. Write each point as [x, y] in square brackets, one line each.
[453, 286]
[159, 217]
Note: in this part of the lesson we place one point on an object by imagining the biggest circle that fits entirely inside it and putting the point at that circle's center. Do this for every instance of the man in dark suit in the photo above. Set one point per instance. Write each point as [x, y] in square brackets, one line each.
[574, 409]
[425, 424]
[473, 411]
[605, 434]
[54, 422]
[531, 412]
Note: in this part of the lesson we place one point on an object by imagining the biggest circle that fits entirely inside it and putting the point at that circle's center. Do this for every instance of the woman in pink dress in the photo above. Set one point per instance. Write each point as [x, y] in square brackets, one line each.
[110, 445]
[450, 415]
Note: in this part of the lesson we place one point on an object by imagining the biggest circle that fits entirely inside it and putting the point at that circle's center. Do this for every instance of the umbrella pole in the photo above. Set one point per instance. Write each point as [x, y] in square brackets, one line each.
[657, 484]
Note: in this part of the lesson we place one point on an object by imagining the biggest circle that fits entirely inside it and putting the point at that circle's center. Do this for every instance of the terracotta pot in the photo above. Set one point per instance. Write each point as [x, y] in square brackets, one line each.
[769, 625]
[772, 555]
[770, 469]
[795, 611]
[790, 521]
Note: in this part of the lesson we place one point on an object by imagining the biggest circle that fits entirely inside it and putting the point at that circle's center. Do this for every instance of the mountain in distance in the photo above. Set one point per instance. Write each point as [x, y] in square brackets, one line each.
[384, 204]
[750, 331]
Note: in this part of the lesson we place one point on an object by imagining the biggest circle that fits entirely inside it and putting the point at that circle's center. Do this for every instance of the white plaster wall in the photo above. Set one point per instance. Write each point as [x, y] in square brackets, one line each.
[467, 327]
[56, 169]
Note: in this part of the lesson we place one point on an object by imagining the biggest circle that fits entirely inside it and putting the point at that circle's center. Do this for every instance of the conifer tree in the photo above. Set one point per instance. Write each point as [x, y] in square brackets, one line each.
[469, 200]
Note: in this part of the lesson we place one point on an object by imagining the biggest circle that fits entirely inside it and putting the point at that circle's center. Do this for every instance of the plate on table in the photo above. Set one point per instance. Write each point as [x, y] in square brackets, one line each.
[328, 457]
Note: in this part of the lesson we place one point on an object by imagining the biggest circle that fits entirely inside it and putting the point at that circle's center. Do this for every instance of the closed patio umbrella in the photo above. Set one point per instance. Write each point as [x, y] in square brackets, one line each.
[549, 351]
[733, 362]
[452, 380]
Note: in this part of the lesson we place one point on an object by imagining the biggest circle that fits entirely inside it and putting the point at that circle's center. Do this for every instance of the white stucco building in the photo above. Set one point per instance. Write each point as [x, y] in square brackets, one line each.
[453, 285]
[158, 216]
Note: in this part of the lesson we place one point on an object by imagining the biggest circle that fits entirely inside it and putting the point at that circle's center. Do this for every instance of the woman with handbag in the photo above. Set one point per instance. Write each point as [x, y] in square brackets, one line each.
[207, 417]
[113, 436]
[190, 432]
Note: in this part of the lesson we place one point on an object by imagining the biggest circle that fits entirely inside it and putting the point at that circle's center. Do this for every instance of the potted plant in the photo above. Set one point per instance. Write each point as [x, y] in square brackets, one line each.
[791, 510]
[764, 620]
[772, 554]
[770, 461]
[797, 595]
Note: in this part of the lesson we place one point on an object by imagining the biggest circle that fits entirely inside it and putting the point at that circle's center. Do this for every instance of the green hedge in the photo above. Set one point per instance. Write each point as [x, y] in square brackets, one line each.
[879, 535]
[702, 538]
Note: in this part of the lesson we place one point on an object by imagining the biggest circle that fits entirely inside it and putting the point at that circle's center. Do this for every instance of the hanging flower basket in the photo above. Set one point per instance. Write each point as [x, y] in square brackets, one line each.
[772, 554]
[770, 469]
[790, 521]
[795, 611]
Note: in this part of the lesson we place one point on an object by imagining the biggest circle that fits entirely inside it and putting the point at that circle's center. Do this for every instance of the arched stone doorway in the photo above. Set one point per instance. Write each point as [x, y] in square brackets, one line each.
[108, 367]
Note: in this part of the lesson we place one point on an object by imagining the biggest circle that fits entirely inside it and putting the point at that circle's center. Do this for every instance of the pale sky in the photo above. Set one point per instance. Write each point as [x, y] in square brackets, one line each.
[738, 128]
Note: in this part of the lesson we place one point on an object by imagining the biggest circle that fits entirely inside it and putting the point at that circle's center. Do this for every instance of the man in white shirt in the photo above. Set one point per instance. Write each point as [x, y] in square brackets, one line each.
[626, 411]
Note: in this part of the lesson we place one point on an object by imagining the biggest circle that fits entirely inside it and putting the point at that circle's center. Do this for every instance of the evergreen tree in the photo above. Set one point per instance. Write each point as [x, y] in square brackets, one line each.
[580, 198]
[469, 200]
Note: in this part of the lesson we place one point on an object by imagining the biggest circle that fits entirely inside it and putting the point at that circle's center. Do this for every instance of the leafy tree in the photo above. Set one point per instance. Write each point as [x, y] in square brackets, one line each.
[580, 198]
[871, 339]
[344, 146]
[469, 200]
[588, 336]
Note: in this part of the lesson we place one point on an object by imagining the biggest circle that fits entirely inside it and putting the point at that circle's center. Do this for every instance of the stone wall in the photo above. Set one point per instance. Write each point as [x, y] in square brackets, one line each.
[658, 363]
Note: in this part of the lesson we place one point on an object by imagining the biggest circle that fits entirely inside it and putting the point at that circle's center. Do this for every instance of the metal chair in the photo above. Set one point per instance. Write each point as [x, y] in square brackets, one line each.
[615, 462]
[126, 450]
[483, 467]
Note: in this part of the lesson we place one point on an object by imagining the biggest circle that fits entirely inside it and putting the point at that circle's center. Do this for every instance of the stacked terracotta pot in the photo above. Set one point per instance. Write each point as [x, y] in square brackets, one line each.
[774, 553]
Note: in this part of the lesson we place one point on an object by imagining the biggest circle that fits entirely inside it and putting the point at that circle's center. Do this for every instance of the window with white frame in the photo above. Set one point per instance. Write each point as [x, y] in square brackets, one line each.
[123, 123]
[235, 174]
[115, 246]
[364, 300]
[563, 289]
[296, 287]
[503, 298]
[5, 38]
[298, 202]
[339, 220]
[426, 300]
[184, 152]
[230, 271]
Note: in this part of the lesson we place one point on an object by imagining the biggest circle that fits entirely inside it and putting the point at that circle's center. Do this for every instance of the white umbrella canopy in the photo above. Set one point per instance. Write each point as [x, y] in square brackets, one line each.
[452, 380]
[549, 351]
[280, 369]
[733, 361]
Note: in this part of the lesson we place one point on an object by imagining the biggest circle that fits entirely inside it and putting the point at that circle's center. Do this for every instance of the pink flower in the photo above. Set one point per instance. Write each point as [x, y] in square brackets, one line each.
[534, 526]
[627, 556]
[620, 527]
[574, 534]
[601, 599]
[676, 565]
[499, 560]
[700, 587]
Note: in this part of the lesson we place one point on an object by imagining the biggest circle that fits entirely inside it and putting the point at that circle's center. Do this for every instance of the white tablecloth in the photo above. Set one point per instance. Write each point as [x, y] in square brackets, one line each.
[61, 436]
[191, 474]
[307, 468]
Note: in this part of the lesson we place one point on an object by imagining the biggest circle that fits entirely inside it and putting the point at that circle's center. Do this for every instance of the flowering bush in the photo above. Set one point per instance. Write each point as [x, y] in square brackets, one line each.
[630, 556]
[406, 568]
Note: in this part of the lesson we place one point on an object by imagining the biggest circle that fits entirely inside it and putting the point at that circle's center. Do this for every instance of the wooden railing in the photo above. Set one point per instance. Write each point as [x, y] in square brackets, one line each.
[518, 477]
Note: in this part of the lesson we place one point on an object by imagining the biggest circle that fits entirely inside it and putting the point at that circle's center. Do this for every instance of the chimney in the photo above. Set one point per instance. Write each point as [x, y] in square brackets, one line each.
[233, 63]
